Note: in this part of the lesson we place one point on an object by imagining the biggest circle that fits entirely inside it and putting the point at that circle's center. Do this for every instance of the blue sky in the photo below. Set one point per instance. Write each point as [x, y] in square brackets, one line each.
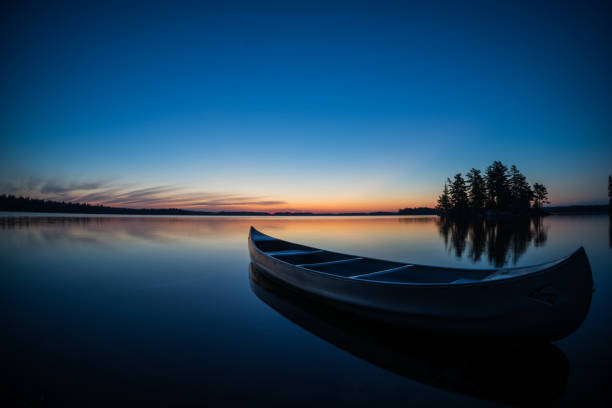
[350, 106]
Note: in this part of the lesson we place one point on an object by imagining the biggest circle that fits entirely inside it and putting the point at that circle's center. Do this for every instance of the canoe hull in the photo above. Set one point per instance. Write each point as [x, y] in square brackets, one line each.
[549, 304]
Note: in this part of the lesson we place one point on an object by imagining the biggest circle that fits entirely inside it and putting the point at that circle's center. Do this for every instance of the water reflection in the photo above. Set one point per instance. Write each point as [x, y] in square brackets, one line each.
[503, 241]
[156, 309]
[104, 230]
[523, 374]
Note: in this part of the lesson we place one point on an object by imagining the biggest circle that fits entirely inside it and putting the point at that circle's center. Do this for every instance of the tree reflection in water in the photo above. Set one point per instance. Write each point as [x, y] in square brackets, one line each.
[610, 230]
[502, 240]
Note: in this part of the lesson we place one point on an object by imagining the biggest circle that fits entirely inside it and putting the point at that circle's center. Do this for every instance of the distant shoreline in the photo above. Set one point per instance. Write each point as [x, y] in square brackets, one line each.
[11, 203]
[578, 209]
[188, 213]
[28, 205]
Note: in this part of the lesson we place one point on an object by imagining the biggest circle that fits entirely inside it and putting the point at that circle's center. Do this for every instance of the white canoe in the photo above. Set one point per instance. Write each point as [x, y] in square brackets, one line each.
[547, 301]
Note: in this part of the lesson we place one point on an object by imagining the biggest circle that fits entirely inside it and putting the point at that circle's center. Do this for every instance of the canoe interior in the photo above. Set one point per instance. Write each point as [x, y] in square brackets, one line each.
[368, 269]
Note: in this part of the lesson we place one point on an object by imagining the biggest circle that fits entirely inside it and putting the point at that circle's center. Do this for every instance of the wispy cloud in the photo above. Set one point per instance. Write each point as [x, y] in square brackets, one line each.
[234, 202]
[56, 188]
[121, 195]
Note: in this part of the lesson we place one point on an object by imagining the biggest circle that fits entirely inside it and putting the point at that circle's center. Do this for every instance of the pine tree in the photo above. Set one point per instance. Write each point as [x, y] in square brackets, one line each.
[540, 195]
[520, 191]
[476, 189]
[498, 193]
[458, 194]
[444, 204]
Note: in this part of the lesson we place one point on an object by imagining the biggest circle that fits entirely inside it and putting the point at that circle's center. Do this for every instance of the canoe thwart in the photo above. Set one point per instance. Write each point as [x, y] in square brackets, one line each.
[328, 262]
[367, 275]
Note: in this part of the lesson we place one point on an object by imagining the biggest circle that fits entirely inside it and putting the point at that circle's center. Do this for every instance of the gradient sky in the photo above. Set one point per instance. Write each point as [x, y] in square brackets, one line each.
[306, 107]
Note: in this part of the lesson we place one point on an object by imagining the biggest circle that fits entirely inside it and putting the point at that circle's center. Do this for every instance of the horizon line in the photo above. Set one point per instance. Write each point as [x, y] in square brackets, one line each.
[259, 212]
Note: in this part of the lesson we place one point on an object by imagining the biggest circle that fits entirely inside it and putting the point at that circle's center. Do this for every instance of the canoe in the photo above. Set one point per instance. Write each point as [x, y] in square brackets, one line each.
[547, 301]
[510, 373]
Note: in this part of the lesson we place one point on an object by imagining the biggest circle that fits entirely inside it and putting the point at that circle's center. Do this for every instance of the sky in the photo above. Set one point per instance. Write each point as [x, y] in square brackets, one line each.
[305, 106]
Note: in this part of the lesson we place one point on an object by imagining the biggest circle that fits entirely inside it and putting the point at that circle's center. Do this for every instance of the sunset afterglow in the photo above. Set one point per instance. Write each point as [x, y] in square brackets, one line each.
[220, 108]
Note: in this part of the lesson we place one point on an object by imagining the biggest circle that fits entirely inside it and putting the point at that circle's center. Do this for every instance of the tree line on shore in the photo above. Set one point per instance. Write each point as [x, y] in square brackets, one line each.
[499, 189]
[27, 204]
[10, 202]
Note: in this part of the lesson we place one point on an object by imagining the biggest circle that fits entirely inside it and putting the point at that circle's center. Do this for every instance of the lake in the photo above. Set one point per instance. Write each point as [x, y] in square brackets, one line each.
[164, 311]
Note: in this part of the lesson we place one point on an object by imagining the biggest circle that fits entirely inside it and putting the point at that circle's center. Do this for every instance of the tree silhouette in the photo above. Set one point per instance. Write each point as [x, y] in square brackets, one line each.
[476, 189]
[540, 195]
[520, 192]
[458, 194]
[500, 190]
[497, 186]
[444, 204]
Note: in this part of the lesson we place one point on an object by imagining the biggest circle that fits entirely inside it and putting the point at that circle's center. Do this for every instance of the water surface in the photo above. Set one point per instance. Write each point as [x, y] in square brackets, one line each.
[115, 310]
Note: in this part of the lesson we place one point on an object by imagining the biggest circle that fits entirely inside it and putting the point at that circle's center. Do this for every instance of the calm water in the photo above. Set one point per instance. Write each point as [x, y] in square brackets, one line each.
[164, 311]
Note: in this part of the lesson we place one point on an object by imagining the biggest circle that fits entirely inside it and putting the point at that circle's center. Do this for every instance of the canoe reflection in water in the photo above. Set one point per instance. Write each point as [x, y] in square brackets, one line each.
[519, 374]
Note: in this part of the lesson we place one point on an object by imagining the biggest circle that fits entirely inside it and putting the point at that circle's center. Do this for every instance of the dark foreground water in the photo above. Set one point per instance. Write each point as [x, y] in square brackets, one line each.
[165, 311]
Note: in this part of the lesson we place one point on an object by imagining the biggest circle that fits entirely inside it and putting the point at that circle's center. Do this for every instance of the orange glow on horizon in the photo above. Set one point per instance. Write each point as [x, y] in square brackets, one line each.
[331, 206]
[325, 202]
